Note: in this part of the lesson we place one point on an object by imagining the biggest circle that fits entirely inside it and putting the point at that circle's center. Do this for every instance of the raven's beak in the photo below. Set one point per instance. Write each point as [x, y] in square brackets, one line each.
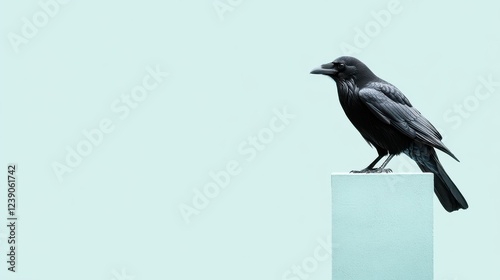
[325, 69]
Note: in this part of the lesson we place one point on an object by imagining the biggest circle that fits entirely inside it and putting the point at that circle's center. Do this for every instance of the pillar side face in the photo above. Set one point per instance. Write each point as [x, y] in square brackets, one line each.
[382, 226]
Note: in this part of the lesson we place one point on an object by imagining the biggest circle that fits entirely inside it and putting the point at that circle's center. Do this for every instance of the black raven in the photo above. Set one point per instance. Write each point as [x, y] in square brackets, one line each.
[387, 120]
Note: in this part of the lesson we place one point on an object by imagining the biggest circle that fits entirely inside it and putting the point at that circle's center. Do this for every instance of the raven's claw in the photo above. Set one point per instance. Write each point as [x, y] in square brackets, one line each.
[372, 170]
[382, 170]
[365, 170]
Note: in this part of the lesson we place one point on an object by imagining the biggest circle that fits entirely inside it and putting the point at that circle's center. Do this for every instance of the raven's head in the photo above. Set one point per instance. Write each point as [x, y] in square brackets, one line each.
[345, 68]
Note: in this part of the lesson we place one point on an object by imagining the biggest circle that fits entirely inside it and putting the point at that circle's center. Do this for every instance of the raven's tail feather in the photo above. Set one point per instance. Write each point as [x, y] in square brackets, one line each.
[444, 188]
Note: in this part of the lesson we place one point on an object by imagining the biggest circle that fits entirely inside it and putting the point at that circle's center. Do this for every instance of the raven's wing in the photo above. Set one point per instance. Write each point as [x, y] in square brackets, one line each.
[390, 91]
[389, 105]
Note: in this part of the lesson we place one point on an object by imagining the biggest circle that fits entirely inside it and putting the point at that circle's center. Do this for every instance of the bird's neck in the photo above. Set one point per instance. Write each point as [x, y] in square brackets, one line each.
[347, 90]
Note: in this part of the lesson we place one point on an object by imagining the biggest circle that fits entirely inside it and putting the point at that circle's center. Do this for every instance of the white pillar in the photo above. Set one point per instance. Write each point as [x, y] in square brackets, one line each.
[382, 226]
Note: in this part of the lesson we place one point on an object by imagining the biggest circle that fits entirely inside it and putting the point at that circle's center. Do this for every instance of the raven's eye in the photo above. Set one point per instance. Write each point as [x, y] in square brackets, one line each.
[339, 66]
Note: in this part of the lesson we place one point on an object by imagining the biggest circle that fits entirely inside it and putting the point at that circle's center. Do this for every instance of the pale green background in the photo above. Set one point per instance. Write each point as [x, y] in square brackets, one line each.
[119, 210]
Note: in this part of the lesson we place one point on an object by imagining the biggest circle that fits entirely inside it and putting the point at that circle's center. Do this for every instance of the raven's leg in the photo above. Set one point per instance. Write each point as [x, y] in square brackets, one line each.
[369, 168]
[381, 168]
